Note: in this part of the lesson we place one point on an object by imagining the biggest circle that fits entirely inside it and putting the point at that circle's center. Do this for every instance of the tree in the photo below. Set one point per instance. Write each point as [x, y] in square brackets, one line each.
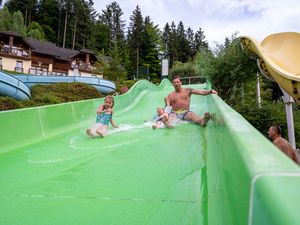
[135, 31]
[49, 18]
[165, 38]
[199, 43]
[27, 8]
[114, 70]
[12, 21]
[35, 31]
[173, 44]
[149, 48]
[111, 17]
[229, 69]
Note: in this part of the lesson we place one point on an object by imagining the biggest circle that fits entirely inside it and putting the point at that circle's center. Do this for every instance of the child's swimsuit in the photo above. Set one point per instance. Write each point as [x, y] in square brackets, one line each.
[103, 118]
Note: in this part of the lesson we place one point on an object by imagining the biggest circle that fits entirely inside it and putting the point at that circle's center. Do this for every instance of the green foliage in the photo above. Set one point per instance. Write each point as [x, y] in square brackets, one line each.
[228, 69]
[184, 70]
[269, 114]
[127, 83]
[113, 70]
[52, 94]
[264, 117]
[7, 103]
[12, 21]
[28, 9]
[63, 92]
[35, 31]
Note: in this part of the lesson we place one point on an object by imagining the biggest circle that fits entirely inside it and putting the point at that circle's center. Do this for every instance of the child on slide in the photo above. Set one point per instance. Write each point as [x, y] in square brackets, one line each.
[161, 118]
[104, 117]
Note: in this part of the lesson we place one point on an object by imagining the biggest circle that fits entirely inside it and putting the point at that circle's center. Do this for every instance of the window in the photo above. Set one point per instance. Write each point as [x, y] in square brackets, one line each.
[19, 66]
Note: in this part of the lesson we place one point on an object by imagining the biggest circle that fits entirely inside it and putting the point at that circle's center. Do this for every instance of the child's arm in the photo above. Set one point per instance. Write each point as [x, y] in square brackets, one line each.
[113, 123]
[100, 109]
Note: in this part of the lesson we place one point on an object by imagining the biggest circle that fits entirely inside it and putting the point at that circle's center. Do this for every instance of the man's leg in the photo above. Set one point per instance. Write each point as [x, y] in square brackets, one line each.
[190, 116]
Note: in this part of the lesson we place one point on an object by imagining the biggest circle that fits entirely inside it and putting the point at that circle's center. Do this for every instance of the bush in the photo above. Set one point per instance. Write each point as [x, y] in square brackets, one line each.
[63, 92]
[127, 83]
[52, 94]
[184, 70]
[7, 103]
[270, 114]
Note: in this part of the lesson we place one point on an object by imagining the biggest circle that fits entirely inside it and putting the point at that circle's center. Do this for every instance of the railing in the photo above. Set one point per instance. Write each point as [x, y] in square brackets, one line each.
[82, 66]
[19, 69]
[16, 51]
[38, 71]
[193, 80]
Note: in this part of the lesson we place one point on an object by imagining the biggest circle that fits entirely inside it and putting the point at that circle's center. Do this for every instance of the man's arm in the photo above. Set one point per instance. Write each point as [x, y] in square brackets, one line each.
[202, 92]
[167, 101]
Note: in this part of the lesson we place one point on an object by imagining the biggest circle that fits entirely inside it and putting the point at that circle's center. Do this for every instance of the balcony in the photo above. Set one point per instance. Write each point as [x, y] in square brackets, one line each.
[14, 51]
[38, 71]
[81, 66]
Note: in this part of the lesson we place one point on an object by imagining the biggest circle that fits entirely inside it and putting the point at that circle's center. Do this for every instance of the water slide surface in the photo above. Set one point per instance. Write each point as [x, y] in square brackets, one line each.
[102, 85]
[278, 58]
[18, 86]
[13, 87]
[226, 173]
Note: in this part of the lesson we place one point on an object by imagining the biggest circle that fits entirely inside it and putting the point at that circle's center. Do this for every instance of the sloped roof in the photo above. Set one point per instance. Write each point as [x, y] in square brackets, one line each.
[49, 48]
[11, 33]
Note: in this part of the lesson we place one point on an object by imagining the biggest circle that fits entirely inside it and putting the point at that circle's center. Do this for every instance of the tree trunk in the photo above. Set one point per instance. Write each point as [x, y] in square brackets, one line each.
[74, 36]
[65, 29]
[58, 30]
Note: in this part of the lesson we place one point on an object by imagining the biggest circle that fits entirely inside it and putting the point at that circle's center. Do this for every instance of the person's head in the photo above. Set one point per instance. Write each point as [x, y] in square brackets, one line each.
[160, 111]
[176, 81]
[274, 132]
[109, 102]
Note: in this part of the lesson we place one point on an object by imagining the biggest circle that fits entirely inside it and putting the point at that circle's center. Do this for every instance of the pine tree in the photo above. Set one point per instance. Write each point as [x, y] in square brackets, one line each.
[27, 8]
[135, 32]
[149, 48]
[200, 43]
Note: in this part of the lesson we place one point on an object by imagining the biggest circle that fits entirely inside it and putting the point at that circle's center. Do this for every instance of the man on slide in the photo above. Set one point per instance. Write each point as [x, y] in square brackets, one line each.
[180, 99]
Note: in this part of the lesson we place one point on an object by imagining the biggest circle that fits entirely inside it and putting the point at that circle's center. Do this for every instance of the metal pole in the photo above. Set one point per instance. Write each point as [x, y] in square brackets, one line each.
[288, 102]
[258, 91]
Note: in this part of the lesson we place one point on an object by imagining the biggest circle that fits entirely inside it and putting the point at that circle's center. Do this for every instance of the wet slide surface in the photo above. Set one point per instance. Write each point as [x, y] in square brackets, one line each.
[135, 175]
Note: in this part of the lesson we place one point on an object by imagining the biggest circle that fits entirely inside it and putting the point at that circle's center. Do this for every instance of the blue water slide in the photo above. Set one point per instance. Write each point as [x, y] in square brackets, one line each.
[103, 86]
[13, 87]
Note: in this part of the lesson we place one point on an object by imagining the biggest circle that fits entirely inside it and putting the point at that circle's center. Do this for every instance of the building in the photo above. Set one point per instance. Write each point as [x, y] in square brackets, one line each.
[27, 55]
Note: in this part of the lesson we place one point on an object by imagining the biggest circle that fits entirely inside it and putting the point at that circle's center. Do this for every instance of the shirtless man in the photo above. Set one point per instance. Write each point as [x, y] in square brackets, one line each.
[180, 99]
[274, 133]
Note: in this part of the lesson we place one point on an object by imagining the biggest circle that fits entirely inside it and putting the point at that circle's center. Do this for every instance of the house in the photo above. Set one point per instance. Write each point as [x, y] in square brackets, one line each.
[27, 55]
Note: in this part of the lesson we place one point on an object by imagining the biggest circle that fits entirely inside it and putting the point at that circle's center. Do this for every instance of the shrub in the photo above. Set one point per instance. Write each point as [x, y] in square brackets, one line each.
[52, 94]
[127, 83]
[63, 92]
[7, 103]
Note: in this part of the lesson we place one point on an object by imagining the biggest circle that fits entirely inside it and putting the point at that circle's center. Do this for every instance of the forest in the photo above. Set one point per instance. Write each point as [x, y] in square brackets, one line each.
[75, 24]
[136, 51]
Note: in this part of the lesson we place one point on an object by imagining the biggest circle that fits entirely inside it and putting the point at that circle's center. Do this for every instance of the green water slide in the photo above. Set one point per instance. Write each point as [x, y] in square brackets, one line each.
[51, 173]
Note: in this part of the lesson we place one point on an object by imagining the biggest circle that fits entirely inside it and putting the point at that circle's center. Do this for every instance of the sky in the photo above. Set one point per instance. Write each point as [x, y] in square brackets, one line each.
[217, 18]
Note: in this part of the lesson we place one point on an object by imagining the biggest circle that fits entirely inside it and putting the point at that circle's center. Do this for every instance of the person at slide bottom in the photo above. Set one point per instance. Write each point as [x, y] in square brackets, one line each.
[104, 117]
[274, 133]
[180, 99]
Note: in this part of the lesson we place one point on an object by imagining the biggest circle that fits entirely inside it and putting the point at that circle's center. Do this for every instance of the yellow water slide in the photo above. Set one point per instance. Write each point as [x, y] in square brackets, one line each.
[279, 59]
